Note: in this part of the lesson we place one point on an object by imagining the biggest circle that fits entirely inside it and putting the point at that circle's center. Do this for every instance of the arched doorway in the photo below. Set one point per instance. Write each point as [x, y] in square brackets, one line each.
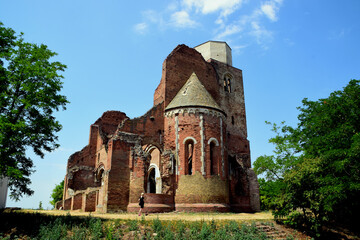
[154, 183]
[151, 181]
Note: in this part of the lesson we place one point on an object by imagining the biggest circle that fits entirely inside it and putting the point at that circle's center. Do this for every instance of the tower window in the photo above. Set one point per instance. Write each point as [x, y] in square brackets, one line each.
[227, 83]
[212, 162]
[189, 153]
[232, 120]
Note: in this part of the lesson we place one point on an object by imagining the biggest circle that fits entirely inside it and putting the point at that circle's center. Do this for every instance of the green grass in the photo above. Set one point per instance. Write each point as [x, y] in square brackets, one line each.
[40, 226]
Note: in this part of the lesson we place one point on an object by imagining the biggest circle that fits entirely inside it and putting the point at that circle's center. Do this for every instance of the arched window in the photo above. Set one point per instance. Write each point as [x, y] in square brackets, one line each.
[100, 176]
[189, 153]
[212, 158]
[227, 83]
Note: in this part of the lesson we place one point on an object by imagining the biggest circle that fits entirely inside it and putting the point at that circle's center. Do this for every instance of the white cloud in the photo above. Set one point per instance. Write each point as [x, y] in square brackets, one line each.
[182, 19]
[184, 14]
[260, 33]
[226, 7]
[270, 9]
[229, 30]
[252, 24]
[238, 48]
[141, 28]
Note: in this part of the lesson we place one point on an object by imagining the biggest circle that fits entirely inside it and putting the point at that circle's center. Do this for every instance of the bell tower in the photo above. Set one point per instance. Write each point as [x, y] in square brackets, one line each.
[216, 50]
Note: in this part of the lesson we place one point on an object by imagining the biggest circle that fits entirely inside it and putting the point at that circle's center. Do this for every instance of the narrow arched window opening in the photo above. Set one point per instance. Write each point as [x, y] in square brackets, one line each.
[100, 177]
[189, 153]
[212, 156]
[227, 83]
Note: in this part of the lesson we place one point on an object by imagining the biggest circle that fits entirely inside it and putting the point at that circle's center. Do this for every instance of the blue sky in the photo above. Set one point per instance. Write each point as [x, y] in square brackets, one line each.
[114, 50]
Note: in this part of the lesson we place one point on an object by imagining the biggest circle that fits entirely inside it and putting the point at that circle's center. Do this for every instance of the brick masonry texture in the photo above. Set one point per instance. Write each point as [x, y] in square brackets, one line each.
[151, 154]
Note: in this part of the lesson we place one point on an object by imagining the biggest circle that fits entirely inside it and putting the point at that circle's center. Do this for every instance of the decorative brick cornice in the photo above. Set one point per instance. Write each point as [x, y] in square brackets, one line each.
[195, 111]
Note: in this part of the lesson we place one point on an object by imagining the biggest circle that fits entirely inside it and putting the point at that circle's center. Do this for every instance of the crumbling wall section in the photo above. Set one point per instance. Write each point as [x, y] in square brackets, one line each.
[119, 176]
[150, 126]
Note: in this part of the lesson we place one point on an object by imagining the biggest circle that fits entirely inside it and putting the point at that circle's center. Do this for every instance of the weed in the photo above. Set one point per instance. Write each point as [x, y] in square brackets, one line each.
[290, 237]
[205, 232]
[180, 229]
[133, 225]
[54, 230]
[157, 225]
[110, 232]
[95, 226]
[79, 233]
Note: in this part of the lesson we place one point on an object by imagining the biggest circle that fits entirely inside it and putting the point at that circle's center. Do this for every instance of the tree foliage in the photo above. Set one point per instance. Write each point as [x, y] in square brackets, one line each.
[324, 180]
[57, 193]
[273, 167]
[29, 95]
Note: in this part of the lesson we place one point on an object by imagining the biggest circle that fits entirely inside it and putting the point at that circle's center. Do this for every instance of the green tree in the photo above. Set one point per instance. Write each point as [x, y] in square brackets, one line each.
[318, 161]
[273, 167]
[57, 193]
[29, 95]
[327, 180]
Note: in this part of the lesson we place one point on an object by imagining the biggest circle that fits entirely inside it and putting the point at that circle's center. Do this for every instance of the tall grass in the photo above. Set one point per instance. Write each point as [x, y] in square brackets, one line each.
[38, 226]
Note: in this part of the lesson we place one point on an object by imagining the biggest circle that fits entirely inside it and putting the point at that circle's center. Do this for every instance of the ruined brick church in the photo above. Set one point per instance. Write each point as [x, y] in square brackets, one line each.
[189, 152]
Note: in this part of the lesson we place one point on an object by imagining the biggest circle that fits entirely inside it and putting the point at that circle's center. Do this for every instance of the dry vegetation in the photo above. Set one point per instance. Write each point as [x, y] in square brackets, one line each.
[36, 224]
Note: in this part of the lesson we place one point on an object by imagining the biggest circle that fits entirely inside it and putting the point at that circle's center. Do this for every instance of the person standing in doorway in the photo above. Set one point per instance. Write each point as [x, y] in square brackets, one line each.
[141, 203]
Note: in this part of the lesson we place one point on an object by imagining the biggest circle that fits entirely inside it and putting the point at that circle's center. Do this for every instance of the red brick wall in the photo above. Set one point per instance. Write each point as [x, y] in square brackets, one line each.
[150, 126]
[77, 202]
[109, 121]
[232, 103]
[178, 67]
[81, 180]
[90, 201]
[137, 180]
[119, 175]
[189, 127]
[67, 203]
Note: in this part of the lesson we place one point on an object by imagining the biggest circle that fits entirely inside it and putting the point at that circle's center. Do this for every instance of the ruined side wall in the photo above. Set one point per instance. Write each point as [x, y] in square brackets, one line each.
[150, 126]
[81, 165]
[79, 172]
[109, 122]
[119, 176]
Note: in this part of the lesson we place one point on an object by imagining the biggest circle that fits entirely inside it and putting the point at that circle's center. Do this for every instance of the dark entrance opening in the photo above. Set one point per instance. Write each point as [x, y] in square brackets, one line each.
[152, 182]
